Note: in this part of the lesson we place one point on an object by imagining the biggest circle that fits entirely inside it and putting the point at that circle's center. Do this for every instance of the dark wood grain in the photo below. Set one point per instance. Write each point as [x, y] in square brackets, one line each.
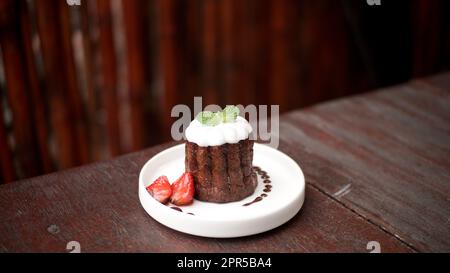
[135, 25]
[109, 77]
[87, 64]
[383, 155]
[210, 45]
[440, 81]
[376, 167]
[65, 103]
[8, 174]
[283, 61]
[98, 206]
[36, 92]
[17, 88]
[172, 61]
[151, 55]
[429, 20]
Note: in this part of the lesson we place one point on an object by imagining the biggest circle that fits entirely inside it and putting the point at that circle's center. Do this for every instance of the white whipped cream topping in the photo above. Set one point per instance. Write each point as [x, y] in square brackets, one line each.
[222, 133]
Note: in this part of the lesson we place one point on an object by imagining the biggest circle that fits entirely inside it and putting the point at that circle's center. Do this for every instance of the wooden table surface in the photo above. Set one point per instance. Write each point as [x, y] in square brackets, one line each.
[377, 168]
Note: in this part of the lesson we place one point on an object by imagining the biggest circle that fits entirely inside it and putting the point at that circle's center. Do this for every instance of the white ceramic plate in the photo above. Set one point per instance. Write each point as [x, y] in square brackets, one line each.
[231, 219]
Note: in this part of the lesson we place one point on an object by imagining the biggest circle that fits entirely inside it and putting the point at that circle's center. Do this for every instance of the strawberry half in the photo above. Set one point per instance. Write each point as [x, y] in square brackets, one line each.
[183, 190]
[160, 189]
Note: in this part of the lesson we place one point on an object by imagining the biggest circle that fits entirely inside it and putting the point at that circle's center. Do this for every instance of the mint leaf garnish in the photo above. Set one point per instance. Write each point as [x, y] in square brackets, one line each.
[204, 116]
[214, 120]
[230, 113]
[227, 115]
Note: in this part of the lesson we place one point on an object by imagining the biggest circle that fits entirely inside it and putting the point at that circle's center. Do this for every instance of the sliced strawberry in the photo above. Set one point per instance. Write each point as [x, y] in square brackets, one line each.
[160, 189]
[183, 190]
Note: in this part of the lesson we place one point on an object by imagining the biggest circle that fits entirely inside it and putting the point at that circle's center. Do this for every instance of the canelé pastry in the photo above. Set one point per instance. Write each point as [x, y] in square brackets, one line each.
[219, 155]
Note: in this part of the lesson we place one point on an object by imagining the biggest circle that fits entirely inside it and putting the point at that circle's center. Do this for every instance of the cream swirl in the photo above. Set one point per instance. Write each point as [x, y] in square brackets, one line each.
[230, 133]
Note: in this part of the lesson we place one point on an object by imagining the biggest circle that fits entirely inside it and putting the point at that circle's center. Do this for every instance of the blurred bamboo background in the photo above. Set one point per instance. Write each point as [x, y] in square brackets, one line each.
[85, 83]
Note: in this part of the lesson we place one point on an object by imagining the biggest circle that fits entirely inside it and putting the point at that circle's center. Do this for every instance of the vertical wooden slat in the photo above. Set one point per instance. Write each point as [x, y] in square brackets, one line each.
[109, 74]
[211, 92]
[136, 56]
[61, 121]
[282, 58]
[87, 24]
[241, 45]
[426, 29]
[330, 62]
[192, 50]
[246, 45]
[317, 40]
[8, 173]
[229, 26]
[278, 56]
[171, 60]
[88, 68]
[262, 73]
[73, 90]
[17, 88]
[122, 79]
[66, 109]
[35, 91]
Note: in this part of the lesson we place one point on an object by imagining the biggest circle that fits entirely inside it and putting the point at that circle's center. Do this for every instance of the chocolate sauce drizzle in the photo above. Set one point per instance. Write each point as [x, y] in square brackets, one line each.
[180, 210]
[257, 199]
[177, 209]
[267, 186]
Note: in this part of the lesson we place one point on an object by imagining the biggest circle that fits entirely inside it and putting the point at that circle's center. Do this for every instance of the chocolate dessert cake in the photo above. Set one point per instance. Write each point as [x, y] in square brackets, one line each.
[219, 155]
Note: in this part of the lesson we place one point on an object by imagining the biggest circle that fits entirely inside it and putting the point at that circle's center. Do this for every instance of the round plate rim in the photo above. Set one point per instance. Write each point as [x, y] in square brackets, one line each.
[145, 197]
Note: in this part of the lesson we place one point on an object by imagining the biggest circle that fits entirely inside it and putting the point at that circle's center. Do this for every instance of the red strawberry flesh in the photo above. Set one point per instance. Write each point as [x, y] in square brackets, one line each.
[160, 189]
[183, 190]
